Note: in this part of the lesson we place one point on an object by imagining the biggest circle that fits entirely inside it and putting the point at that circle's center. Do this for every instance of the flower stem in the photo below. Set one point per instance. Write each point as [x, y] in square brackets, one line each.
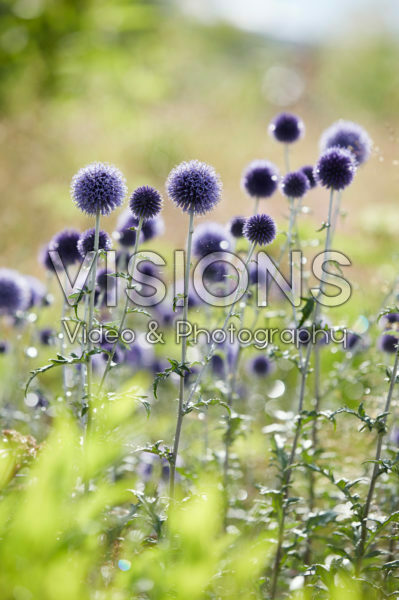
[376, 467]
[91, 304]
[125, 308]
[180, 410]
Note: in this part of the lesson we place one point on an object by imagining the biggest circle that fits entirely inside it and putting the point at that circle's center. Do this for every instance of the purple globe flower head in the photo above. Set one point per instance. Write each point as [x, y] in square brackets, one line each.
[388, 343]
[86, 242]
[260, 229]
[295, 184]
[37, 291]
[98, 187]
[145, 202]
[4, 347]
[165, 314]
[286, 128]
[217, 365]
[118, 356]
[390, 320]
[210, 237]
[134, 356]
[152, 228]
[47, 336]
[335, 168]
[236, 227]
[260, 179]
[194, 187]
[125, 235]
[348, 135]
[193, 299]
[105, 281]
[215, 272]
[255, 274]
[66, 244]
[353, 341]
[14, 292]
[261, 366]
[308, 170]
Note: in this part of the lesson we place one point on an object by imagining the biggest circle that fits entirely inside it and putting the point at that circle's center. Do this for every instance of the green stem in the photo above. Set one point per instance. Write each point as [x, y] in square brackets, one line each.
[91, 305]
[125, 308]
[180, 410]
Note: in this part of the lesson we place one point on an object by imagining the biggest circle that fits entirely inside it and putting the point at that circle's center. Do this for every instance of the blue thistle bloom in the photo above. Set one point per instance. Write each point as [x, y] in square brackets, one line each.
[237, 227]
[215, 272]
[14, 292]
[145, 202]
[295, 184]
[210, 237]
[260, 229]
[388, 343]
[217, 365]
[287, 128]
[308, 170]
[105, 281]
[389, 319]
[352, 340]
[348, 135]
[45, 258]
[86, 241]
[66, 244]
[261, 366]
[46, 336]
[118, 356]
[260, 179]
[152, 228]
[126, 236]
[98, 187]
[194, 187]
[335, 168]
[37, 291]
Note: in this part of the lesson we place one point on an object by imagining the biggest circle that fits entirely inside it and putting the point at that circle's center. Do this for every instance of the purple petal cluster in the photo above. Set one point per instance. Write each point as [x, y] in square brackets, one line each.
[14, 292]
[388, 343]
[287, 128]
[308, 170]
[335, 169]
[98, 187]
[295, 184]
[261, 366]
[86, 241]
[210, 237]
[126, 236]
[152, 228]
[194, 187]
[66, 244]
[237, 227]
[260, 179]
[348, 135]
[260, 229]
[145, 202]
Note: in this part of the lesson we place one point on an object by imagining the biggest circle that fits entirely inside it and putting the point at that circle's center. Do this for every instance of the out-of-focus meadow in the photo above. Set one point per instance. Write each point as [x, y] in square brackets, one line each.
[144, 85]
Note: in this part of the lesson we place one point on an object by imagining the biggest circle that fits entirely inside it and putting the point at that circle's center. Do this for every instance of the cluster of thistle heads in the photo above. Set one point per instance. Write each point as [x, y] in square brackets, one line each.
[194, 187]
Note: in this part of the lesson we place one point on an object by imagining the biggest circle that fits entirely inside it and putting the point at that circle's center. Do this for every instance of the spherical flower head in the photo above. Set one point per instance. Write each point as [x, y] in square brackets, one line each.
[287, 128]
[37, 291]
[14, 292]
[260, 229]
[335, 168]
[66, 244]
[390, 320]
[217, 365]
[388, 343]
[308, 170]
[194, 187]
[295, 184]
[105, 281]
[87, 239]
[47, 336]
[98, 187]
[210, 237]
[124, 233]
[261, 366]
[353, 340]
[236, 227]
[145, 202]
[118, 356]
[260, 179]
[45, 258]
[348, 135]
[152, 228]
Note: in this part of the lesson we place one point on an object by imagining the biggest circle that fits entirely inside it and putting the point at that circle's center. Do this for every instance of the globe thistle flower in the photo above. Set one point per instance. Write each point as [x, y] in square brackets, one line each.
[134, 356]
[215, 272]
[388, 343]
[152, 228]
[390, 321]
[145, 202]
[99, 187]
[14, 292]
[308, 170]
[194, 187]
[66, 244]
[210, 237]
[335, 168]
[261, 366]
[295, 184]
[124, 234]
[348, 135]
[87, 239]
[287, 128]
[46, 336]
[353, 340]
[260, 179]
[217, 365]
[118, 353]
[236, 227]
[260, 229]
[45, 258]
[104, 280]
